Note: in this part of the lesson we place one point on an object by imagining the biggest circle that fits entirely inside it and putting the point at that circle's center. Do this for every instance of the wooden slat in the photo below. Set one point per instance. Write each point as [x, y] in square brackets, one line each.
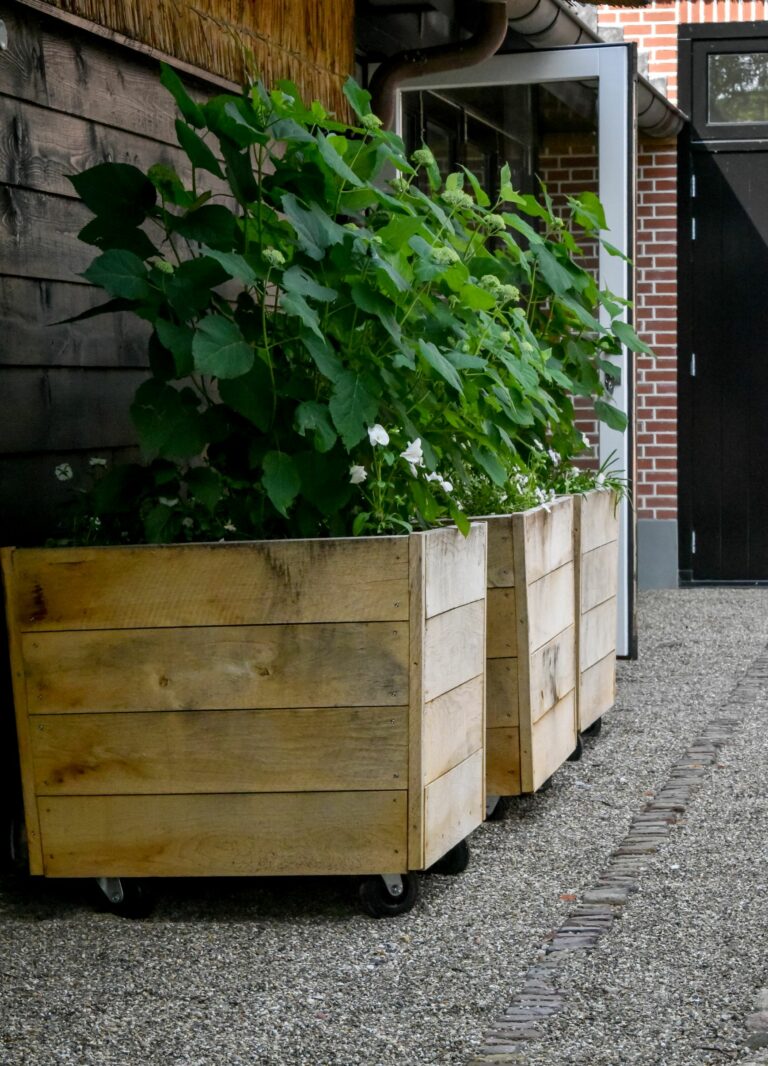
[273, 666]
[344, 580]
[454, 648]
[416, 669]
[552, 672]
[599, 575]
[597, 691]
[501, 552]
[453, 728]
[598, 520]
[166, 752]
[550, 606]
[22, 721]
[224, 835]
[598, 634]
[502, 692]
[38, 235]
[454, 805]
[502, 623]
[553, 740]
[455, 568]
[502, 776]
[548, 537]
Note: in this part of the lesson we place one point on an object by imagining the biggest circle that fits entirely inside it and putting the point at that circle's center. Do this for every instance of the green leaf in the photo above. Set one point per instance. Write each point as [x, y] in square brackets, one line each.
[435, 358]
[399, 230]
[191, 111]
[334, 160]
[205, 486]
[488, 462]
[522, 227]
[352, 407]
[294, 304]
[298, 281]
[323, 356]
[169, 185]
[360, 522]
[611, 249]
[251, 395]
[106, 231]
[627, 336]
[281, 480]
[588, 211]
[477, 299]
[554, 273]
[211, 224]
[315, 417]
[612, 416]
[240, 174]
[167, 421]
[178, 341]
[108, 308]
[189, 287]
[314, 228]
[235, 265]
[481, 196]
[220, 349]
[462, 522]
[359, 99]
[161, 524]
[198, 152]
[120, 273]
[116, 189]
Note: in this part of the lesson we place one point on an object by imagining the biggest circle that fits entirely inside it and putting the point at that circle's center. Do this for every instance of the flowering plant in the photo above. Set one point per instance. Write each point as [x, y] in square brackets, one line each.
[332, 353]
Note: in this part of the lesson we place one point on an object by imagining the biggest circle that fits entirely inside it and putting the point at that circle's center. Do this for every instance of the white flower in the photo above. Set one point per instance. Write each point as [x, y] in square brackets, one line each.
[553, 455]
[585, 440]
[230, 527]
[63, 472]
[446, 486]
[273, 257]
[378, 435]
[95, 460]
[187, 522]
[357, 475]
[413, 455]
[600, 479]
[167, 501]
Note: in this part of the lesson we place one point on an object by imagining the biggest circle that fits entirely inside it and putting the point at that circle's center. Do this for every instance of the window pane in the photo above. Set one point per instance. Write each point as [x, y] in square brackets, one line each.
[738, 87]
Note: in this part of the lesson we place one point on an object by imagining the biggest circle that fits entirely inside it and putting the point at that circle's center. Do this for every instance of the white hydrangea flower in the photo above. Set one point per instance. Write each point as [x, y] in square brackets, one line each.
[413, 455]
[167, 501]
[96, 460]
[370, 122]
[494, 223]
[230, 527]
[357, 475]
[187, 522]
[378, 435]
[274, 257]
[446, 486]
[63, 472]
[554, 456]
[423, 157]
[445, 256]
[600, 479]
[458, 198]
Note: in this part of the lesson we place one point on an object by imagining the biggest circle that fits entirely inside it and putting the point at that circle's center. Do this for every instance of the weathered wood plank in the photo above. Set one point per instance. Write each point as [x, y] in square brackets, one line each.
[347, 580]
[45, 410]
[416, 669]
[598, 634]
[503, 700]
[224, 835]
[597, 691]
[501, 552]
[454, 648]
[552, 672]
[29, 310]
[454, 805]
[502, 775]
[550, 606]
[553, 740]
[38, 235]
[229, 667]
[599, 575]
[453, 728]
[455, 568]
[502, 623]
[598, 518]
[168, 752]
[548, 537]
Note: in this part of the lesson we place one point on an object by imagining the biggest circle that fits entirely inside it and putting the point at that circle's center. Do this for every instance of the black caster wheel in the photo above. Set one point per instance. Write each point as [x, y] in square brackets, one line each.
[381, 899]
[595, 729]
[454, 861]
[578, 751]
[127, 897]
[500, 810]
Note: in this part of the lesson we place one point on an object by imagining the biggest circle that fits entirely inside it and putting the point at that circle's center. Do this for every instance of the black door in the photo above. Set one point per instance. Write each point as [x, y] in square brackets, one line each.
[724, 304]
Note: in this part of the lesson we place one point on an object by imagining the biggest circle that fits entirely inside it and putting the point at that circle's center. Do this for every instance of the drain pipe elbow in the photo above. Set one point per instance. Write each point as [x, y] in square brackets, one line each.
[488, 37]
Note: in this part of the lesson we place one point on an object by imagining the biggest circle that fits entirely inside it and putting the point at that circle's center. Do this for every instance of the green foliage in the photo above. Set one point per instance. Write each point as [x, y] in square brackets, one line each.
[334, 352]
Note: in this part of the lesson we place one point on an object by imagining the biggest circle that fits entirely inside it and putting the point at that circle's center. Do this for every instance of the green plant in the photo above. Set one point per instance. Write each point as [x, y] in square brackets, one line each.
[303, 308]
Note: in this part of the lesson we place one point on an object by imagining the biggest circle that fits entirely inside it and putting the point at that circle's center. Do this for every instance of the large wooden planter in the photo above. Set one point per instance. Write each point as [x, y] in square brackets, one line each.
[597, 555]
[531, 653]
[284, 707]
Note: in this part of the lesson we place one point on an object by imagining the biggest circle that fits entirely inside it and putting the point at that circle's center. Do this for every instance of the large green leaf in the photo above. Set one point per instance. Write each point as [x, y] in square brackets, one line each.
[353, 408]
[178, 341]
[281, 480]
[170, 186]
[251, 395]
[324, 357]
[191, 111]
[315, 229]
[236, 266]
[627, 336]
[558, 277]
[220, 349]
[189, 287]
[211, 224]
[198, 152]
[297, 280]
[116, 189]
[167, 421]
[435, 358]
[315, 417]
[294, 304]
[205, 486]
[359, 99]
[108, 231]
[120, 273]
[612, 416]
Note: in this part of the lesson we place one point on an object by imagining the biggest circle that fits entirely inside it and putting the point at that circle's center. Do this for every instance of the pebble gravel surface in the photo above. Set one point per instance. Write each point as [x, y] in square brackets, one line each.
[278, 972]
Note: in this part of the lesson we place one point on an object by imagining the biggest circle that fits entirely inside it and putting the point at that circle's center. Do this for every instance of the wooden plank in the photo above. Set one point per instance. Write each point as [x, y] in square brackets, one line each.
[248, 583]
[551, 607]
[597, 691]
[224, 835]
[454, 805]
[453, 728]
[502, 775]
[416, 668]
[502, 623]
[454, 648]
[22, 721]
[167, 752]
[455, 568]
[38, 235]
[599, 575]
[548, 537]
[501, 552]
[217, 668]
[553, 740]
[524, 644]
[29, 310]
[598, 634]
[552, 672]
[44, 409]
[503, 698]
[599, 519]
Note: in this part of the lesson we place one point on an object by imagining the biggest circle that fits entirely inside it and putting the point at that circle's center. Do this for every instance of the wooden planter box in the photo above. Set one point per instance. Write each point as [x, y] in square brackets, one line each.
[531, 653]
[597, 555]
[284, 707]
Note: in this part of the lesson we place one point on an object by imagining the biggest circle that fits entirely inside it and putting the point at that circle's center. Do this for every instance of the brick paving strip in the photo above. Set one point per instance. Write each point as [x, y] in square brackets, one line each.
[505, 1040]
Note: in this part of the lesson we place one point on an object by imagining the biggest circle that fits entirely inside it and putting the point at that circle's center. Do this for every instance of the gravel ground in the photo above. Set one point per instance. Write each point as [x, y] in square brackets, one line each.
[288, 972]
